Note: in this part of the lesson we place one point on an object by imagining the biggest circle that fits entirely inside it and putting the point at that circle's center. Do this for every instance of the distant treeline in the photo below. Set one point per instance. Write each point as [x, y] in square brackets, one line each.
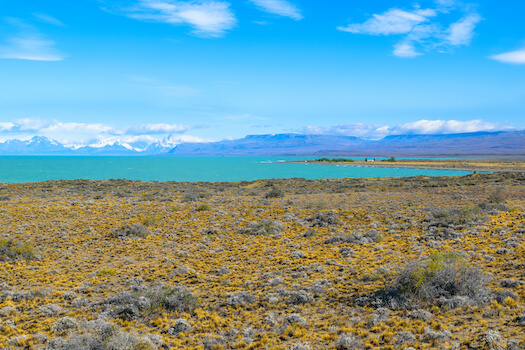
[334, 160]
[339, 160]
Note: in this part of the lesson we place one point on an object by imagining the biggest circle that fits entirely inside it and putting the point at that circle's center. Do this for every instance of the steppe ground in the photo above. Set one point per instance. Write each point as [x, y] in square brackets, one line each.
[422, 263]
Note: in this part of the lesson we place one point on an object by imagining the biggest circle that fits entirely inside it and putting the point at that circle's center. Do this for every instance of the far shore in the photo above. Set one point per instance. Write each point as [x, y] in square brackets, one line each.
[496, 165]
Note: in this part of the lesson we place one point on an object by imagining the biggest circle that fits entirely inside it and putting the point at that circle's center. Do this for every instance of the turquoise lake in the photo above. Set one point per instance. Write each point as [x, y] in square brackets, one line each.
[192, 169]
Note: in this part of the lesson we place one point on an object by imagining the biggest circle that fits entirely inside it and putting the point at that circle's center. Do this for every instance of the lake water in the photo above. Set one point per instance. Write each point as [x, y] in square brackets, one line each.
[192, 169]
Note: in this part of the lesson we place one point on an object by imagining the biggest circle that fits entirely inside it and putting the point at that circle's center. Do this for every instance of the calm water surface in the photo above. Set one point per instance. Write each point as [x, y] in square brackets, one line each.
[30, 169]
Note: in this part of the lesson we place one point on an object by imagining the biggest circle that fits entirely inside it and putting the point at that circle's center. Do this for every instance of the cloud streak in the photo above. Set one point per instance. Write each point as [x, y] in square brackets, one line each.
[207, 18]
[279, 7]
[513, 57]
[420, 28]
[27, 43]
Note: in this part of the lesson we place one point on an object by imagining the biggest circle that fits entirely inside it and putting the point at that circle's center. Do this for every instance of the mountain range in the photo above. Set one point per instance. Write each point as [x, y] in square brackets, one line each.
[502, 143]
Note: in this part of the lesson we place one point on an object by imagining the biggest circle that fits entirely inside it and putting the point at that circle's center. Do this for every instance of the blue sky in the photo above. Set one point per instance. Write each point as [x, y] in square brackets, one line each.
[100, 71]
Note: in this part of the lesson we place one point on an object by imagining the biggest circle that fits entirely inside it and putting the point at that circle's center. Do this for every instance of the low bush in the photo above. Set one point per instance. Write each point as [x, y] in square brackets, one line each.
[203, 207]
[274, 193]
[458, 216]
[103, 335]
[130, 231]
[264, 227]
[323, 219]
[12, 249]
[151, 220]
[106, 271]
[177, 298]
[443, 275]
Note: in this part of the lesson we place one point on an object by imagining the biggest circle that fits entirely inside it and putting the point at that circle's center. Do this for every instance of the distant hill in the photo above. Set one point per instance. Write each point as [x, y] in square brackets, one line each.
[271, 145]
[474, 144]
[503, 143]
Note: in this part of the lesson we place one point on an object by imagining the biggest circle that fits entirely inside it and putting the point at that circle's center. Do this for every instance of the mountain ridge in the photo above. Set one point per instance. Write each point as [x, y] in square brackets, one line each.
[500, 143]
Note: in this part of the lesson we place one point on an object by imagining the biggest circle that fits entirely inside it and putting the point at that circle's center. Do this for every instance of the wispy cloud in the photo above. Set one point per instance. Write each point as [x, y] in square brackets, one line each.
[420, 127]
[405, 49]
[153, 129]
[279, 7]
[514, 57]
[207, 18]
[42, 17]
[242, 117]
[421, 28]
[25, 42]
[164, 88]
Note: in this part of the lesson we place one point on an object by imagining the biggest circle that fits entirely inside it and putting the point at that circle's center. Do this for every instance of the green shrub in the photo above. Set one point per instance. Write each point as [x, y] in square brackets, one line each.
[443, 275]
[151, 220]
[274, 193]
[459, 216]
[106, 271]
[335, 160]
[12, 249]
[203, 207]
[178, 298]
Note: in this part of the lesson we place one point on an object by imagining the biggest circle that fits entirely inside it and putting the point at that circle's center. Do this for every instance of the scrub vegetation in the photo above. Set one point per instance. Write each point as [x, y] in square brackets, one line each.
[399, 263]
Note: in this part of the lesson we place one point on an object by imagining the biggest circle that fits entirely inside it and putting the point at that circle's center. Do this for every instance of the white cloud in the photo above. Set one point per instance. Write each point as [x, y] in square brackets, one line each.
[374, 131]
[405, 49]
[444, 127]
[6, 126]
[207, 18]
[75, 135]
[420, 127]
[420, 28]
[279, 7]
[514, 57]
[462, 31]
[393, 21]
[31, 124]
[27, 43]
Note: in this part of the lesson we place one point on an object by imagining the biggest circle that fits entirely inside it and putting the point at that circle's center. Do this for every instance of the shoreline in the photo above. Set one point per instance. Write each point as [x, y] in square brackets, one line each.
[492, 166]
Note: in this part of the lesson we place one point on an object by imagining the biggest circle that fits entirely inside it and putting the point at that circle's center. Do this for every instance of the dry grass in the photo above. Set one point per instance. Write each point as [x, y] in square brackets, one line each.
[122, 264]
